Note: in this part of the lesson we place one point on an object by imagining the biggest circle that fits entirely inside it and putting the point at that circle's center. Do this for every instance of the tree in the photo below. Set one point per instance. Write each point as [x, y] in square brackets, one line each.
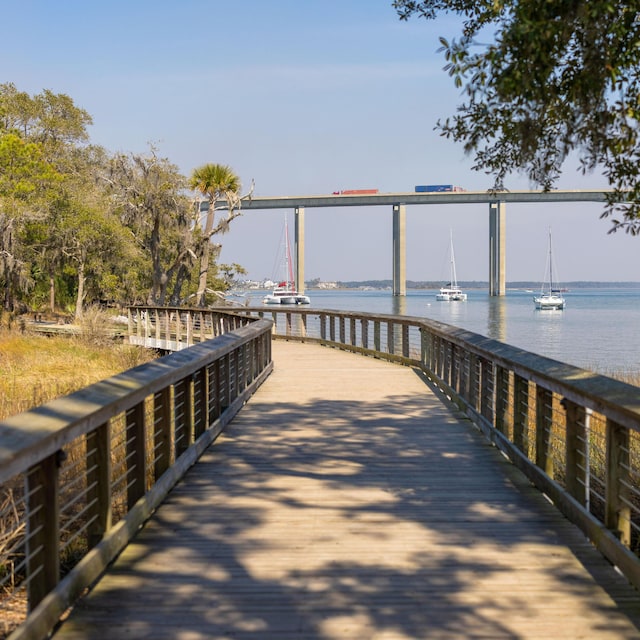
[26, 183]
[215, 182]
[555, 78]
[45, 171]
[148, 193]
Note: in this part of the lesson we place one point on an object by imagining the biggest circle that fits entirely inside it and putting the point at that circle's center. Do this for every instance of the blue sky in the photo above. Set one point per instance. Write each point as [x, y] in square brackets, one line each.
[304, 97]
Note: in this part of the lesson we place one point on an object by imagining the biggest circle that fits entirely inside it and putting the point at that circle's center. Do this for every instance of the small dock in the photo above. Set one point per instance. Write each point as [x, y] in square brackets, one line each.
[346, 500]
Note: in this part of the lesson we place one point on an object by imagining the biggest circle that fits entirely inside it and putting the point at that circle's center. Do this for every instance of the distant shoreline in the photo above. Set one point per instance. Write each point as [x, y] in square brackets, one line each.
[515, 285]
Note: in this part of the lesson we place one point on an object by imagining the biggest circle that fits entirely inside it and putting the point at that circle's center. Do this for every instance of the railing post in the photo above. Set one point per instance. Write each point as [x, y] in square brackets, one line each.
[446, 364]
[352, 331]
[544, 417]
[43, 528]
[486, 395]
[577, 451]
[182, 415]
[98, 448]
[364, 331]
[288, 323]
[200, 392]
[474, 381]
[214, 392]
[521, 414]
[390, 337]
[618, 515]
[162, 431]
[189, 328]
[405, 340]
[156, 315]
[502, 399]
[376, 335]
[136, 458]
[341, 324]
[178, 327]
[424, 350]
[464, 375]
[323, 326]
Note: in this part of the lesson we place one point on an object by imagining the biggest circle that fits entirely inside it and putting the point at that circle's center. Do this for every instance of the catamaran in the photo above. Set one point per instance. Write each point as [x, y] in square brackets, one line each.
[451, 292]
[285, 291]
[550, 297]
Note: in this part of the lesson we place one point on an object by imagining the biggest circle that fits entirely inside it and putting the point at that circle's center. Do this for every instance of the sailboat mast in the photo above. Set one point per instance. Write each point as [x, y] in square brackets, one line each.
[289, 262]
[550, 265]
[454, 278]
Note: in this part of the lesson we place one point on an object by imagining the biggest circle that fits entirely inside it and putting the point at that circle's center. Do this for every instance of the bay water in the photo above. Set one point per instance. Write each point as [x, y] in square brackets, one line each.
[599, 329]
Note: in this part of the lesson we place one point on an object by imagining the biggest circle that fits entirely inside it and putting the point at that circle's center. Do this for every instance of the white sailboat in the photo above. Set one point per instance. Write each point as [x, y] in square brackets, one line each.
[285, 291]
[451, 292]
[550, 297]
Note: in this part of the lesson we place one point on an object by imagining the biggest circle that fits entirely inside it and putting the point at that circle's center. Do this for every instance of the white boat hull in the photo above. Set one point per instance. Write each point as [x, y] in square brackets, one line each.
[451, 295]
[549, 302]
[289, 297]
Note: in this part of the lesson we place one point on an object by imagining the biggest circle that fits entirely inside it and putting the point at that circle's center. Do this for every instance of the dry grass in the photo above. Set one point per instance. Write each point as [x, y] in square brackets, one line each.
[35, 369]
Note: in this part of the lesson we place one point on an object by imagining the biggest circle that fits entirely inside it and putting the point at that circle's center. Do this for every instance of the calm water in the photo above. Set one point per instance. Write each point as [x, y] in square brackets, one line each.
[599, 329]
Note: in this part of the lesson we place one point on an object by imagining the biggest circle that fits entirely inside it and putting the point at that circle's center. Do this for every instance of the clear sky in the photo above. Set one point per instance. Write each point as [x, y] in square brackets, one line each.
[304, 97]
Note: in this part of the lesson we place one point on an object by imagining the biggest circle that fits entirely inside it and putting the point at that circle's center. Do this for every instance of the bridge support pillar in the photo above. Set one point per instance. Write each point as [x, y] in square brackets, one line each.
[299, 249]
[399, 250]
[497, 248]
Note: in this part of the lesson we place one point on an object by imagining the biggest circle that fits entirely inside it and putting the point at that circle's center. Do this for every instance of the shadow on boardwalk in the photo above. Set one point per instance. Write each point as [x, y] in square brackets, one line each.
[347, 501]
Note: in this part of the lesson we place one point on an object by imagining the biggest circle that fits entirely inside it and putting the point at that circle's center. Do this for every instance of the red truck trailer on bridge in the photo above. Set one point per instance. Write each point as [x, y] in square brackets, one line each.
[355, 192]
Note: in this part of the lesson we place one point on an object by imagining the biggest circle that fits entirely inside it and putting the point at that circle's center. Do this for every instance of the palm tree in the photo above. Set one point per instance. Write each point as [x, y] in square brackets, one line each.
[215, 182]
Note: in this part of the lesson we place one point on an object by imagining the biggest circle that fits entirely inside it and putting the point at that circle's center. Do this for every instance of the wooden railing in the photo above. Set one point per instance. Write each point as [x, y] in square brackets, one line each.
[574, 433]
[79, 475]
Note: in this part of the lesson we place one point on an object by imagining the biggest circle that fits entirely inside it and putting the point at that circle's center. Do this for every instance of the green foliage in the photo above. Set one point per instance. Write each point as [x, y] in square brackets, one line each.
[215, 182]
[555, 78]
[79, 226]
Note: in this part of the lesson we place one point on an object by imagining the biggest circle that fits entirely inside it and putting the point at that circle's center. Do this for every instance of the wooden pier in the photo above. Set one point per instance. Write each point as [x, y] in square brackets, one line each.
[346, 500]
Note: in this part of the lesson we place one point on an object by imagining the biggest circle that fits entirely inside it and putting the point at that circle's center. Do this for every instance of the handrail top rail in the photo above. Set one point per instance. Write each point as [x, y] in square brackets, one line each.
[31, 436]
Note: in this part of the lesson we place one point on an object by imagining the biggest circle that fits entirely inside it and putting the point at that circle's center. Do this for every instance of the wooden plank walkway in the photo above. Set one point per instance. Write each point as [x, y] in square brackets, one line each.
[346, 501]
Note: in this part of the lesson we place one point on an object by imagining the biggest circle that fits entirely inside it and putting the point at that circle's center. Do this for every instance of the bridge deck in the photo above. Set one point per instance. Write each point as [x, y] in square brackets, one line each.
[347, 501]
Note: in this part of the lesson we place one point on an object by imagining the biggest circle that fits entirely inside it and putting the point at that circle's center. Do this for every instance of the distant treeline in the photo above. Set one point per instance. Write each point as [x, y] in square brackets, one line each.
[476, 284]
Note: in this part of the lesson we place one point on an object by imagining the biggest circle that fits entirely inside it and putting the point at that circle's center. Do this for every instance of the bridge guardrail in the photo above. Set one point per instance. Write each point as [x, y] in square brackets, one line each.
[574, 433]
[79, 475]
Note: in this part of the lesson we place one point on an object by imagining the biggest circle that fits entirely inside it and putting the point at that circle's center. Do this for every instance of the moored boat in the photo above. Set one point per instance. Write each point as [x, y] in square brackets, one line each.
[451, 292]
[285, 291]
[550, 298]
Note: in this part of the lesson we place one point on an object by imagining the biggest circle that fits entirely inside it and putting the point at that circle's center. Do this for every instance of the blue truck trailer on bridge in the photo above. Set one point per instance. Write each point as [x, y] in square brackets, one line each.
[435, 188]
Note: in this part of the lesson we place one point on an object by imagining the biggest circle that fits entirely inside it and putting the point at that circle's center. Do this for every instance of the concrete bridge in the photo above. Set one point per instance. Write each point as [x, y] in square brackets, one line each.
[398, 202]
[326, 475]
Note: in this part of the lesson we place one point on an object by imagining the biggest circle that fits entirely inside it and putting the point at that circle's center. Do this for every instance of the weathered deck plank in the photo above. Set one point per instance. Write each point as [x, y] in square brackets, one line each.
[346, 501]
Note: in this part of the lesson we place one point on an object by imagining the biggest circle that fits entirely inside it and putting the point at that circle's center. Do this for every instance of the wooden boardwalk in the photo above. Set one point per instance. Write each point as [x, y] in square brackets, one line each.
[346, 501]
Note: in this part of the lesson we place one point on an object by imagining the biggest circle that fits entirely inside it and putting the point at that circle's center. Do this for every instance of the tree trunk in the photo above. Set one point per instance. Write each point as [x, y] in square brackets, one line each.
[52, 292]
[80, 296]
[204, 258]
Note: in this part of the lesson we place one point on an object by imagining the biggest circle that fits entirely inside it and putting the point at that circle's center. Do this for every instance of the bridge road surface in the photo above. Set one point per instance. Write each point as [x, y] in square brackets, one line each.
[346, 501]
